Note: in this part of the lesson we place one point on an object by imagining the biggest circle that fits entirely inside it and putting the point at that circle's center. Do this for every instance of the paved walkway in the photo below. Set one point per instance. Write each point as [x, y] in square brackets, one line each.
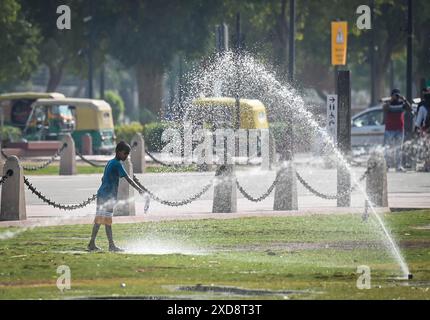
[405, 191]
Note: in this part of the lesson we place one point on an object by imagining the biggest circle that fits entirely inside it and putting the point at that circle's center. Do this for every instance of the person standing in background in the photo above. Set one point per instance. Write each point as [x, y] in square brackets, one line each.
[393, 112]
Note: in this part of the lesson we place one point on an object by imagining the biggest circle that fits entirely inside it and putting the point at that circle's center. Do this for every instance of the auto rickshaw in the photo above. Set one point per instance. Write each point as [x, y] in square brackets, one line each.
[90, 116]
[221, 112]
[15, 108]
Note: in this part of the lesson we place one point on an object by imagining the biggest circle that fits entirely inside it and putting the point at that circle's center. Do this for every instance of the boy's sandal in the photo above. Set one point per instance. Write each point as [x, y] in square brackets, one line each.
[115, 249]
[93, 249]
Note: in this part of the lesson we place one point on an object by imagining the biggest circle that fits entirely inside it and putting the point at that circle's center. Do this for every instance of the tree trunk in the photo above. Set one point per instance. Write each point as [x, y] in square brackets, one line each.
[280, 41]
[150, 88]
[379, 84]
[55, 76]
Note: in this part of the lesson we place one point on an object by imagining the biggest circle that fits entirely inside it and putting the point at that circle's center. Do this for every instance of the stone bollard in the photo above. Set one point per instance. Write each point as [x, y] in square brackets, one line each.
[87, 144]
[376, 181]
[68, 157]
[225, 198]
[2, 159]
[138, 153]
[286, 188]
[12, 192]
[125, 205]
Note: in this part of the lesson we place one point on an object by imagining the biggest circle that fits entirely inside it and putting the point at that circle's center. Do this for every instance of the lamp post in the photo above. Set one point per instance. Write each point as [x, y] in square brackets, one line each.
[292, 44]
[409, 54]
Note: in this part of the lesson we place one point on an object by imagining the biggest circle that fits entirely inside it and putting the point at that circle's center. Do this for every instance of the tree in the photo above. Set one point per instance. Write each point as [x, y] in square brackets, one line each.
[63, 50]
[117, 105]
[149, 33]
[18, 41]
[421, 41]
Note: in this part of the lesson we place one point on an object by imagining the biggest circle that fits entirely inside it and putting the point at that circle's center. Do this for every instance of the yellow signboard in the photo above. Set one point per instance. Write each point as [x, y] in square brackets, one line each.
[339, 37]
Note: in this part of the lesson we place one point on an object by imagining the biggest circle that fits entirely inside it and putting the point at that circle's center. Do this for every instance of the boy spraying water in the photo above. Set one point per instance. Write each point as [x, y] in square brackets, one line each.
[107, 196]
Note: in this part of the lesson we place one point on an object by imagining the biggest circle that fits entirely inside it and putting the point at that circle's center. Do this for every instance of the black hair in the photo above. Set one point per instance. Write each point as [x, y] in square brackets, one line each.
[123, 146]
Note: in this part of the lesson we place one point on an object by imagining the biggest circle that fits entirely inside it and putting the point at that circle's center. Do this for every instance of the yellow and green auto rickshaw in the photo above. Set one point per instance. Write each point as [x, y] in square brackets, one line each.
[90, 116]
[15, 108]
[221, 112]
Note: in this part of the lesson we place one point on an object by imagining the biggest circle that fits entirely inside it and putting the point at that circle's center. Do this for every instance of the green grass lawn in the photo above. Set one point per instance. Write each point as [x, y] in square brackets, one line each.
[315, 256]
[87, 169]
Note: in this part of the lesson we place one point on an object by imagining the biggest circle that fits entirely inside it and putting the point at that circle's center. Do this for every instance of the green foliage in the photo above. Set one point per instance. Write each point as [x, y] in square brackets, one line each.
[18, 41]
[302, 136]
[147, 116]
[126, 132]
[152, 134]
[117, 105]
[11, 134]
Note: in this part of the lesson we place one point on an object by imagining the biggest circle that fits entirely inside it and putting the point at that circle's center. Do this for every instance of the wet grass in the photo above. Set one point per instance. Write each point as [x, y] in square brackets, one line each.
[317, 256]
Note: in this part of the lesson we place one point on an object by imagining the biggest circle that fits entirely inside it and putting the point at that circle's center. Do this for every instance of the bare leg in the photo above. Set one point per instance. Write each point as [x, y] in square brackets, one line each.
[112, 246]
[92, 245]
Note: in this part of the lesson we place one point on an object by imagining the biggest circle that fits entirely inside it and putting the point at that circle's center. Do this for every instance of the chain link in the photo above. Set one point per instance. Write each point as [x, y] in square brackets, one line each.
[4, 154]
[263, 196]
[89, 161]
[47, 163]
[7, 175]
[57, 205]
[333, 197]
[173, 203]
[161, 162]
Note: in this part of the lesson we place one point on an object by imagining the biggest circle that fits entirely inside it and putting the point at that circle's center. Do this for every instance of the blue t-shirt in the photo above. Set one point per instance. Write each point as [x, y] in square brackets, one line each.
[109, 188]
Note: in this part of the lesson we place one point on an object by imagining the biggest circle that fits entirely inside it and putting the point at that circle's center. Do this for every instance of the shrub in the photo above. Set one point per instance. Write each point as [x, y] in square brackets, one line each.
[117, 105]
[302, 136]
[152, 133]
[10, 134]
[147, 116]
[127, 131]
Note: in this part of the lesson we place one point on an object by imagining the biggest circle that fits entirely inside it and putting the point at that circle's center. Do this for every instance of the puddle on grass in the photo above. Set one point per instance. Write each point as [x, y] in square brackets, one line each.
[159, 247]
[236, 291]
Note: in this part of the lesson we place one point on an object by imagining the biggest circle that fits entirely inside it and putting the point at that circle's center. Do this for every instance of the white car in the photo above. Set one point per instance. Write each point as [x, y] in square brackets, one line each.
[367, 128]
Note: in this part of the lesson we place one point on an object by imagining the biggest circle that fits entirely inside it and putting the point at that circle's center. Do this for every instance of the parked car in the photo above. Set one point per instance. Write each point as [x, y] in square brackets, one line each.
[367, 127]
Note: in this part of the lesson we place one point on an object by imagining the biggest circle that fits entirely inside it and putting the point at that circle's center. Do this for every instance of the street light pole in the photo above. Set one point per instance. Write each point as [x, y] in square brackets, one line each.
[238, 49]
[409, 54]
[90, 50]
[292, 54]
[373, 98]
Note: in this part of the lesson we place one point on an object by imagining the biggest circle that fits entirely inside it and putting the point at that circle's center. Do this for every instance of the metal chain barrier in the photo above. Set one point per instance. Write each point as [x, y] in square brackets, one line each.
[172, 203]
[4, 154]
[328, 196]
[57, 205]
[161, 162]
[47, 163]
[7, 175]
[263, 196]
[89, 161]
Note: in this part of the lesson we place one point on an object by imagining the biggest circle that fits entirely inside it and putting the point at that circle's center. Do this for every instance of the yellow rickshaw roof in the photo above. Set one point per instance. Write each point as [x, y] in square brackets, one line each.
[30, 95]
[254, 104]
[76, 102]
